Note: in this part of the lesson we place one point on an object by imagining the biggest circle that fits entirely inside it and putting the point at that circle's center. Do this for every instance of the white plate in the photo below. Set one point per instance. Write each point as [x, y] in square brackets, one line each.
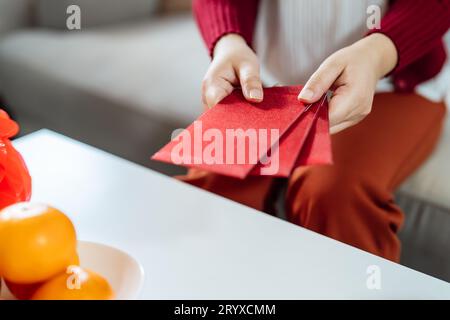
[123, 272]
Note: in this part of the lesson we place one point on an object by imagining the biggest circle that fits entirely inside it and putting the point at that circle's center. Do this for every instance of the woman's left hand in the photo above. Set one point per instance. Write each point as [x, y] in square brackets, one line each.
[352, 74]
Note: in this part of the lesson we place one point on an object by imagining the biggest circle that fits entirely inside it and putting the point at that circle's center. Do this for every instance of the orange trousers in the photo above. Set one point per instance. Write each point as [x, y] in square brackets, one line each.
[351, 200]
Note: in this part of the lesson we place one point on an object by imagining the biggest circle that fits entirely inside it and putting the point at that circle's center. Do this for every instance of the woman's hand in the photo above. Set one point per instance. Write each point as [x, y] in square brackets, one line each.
[352, 74]
[234, 63]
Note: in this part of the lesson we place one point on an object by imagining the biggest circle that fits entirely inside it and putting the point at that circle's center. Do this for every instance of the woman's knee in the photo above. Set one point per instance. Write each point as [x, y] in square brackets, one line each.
[322, 191]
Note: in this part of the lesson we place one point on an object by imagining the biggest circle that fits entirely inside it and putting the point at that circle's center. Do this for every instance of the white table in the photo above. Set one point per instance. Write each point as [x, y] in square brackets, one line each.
[194, 244]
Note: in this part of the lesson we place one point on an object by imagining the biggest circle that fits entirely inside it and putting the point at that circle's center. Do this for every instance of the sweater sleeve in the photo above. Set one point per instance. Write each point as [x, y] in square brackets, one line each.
[216, 18]
[415, 27]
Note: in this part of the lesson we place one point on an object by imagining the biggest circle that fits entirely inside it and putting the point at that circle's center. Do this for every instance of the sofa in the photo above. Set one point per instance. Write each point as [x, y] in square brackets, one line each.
[132, 75]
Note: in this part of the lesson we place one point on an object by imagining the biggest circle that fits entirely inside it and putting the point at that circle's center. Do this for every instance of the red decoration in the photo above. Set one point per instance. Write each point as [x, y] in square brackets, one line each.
[15, 181]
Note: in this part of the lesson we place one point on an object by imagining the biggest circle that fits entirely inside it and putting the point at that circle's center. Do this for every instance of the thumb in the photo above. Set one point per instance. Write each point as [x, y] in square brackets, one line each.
[251, 82]
[321, 80]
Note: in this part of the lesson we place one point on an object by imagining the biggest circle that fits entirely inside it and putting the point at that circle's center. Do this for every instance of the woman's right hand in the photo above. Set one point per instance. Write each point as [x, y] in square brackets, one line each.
[234, 63]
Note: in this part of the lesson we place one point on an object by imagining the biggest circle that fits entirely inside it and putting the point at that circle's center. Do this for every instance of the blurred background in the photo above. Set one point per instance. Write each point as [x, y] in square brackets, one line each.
[132, 75]
[122, 83]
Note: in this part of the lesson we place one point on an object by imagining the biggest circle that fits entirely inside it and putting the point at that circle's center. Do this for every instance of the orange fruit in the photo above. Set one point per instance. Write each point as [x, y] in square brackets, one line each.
[36, 242]
[75, 284]
[25, 291]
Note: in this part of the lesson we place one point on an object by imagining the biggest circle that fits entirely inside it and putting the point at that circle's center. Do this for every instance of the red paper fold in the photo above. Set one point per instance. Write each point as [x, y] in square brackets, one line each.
[290, 145]
[317, 149]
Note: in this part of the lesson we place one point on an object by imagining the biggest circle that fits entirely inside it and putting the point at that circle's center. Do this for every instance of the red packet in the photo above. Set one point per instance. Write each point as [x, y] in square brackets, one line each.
[317, 149]
[15, 181]
[290, 146]
[268, 121]
[307, 142]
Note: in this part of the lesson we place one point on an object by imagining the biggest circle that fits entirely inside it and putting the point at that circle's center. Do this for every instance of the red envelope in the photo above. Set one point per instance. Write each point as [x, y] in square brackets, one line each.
[317, 149]
[291, 143]
[270, 119]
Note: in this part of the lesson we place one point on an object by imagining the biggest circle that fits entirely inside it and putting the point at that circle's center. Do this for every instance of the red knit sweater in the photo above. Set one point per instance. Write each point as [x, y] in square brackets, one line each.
[415, 26]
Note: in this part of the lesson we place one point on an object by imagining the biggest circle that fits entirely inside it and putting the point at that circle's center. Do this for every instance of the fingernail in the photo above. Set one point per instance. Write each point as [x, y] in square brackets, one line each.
[306, 94]
[256, 94]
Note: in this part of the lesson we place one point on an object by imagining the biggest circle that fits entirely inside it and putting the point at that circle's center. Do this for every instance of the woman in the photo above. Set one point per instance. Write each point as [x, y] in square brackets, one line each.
[378, 139]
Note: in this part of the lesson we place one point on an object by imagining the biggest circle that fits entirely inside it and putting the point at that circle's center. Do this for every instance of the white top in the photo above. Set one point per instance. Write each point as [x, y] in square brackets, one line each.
[194, 244]
[293, 37]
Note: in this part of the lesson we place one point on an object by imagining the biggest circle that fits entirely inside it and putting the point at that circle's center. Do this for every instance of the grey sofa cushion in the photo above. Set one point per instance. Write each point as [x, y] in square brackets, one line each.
[15, 14]
[155, 66]
[122, 88]
[425, 237]
[53, 13]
